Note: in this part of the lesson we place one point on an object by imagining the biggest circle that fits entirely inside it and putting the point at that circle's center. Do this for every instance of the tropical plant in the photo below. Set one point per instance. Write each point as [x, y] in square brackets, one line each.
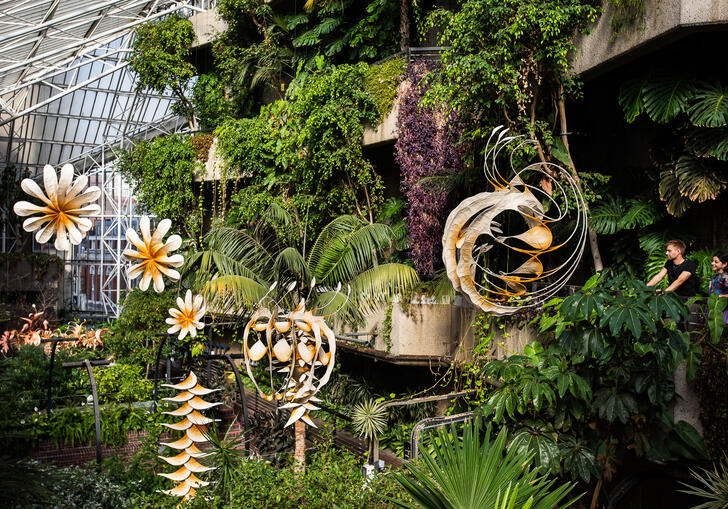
[693, 170]
[227, 459]
[605, 370]
[369, 418]
[160, 57]
[477, 472]
[712, 486]
[337, 272]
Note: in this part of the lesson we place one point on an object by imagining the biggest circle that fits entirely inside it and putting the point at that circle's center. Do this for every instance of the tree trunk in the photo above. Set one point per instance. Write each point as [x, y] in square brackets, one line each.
[596, 255]
[404, 25]
[299, 452]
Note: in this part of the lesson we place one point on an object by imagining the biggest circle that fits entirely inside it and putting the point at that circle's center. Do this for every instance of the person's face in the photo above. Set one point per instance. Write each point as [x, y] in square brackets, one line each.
[717, 265]
[672, 252]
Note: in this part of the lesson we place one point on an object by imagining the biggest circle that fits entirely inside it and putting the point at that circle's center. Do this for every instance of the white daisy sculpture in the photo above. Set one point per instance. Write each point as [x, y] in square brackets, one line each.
[188, 318]
[65, 202]
[153, 254]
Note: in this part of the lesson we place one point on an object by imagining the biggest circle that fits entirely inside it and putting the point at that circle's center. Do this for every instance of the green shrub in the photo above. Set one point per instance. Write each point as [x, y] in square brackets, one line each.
[122, 383]
[131, 337]
[381, 82]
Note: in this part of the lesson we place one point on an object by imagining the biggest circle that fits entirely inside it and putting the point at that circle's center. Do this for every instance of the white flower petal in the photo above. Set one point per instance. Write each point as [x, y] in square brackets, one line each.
[25, 208]
[33, 223]
[188, 299]
[74, 234]
[158, 282]
[34, 190]
[50, 182]
[78, 186]
[45, 233]
[65, 181]
[146, 279]
[174, 329]
[161, 230]
[135, 270]
[145, 227]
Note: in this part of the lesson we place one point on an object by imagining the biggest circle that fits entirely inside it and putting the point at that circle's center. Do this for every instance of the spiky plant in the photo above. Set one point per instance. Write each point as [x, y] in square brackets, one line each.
[712, 486]
[473, 472]
[369, 418]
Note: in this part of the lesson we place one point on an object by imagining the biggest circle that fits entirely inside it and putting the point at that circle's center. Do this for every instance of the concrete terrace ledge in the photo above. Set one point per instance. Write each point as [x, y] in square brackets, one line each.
[663, 21]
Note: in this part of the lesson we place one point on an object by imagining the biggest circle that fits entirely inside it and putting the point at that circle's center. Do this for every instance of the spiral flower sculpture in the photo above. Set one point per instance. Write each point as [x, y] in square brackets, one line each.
[471, 231]
[187, 317]
[193, 423]
[298, 345]
[65, 202]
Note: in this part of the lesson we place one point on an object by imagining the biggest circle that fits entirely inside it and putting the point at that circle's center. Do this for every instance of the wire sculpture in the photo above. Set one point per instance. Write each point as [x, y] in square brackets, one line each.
[297, 344]
[471, 231]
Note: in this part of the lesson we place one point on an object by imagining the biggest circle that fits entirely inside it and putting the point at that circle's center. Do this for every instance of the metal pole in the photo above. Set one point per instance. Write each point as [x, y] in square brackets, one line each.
[50, 375]
[241, 390]
[97, 417]
[156, 373]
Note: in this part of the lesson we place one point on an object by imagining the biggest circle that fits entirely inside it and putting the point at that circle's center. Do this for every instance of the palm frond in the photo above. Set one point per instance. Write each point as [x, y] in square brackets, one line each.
[472, 472]
[240, 245]
[227, 294]
[291, 262]
[340, 226]
[350, 255]
[665, 99]
[710, 106]
[380, 285]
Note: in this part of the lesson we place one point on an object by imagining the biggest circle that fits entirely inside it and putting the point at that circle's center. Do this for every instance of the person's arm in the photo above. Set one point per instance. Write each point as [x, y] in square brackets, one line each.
[660, 275]
[684, 275]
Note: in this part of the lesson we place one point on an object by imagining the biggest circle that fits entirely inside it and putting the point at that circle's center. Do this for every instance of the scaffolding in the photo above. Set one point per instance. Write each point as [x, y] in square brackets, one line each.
[67, 95]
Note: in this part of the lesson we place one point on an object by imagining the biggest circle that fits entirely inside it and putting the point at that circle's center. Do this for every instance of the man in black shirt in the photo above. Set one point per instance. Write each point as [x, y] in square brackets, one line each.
[680, 272]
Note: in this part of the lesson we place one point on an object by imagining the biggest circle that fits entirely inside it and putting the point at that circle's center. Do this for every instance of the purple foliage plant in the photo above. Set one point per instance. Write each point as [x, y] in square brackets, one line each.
[427, 147]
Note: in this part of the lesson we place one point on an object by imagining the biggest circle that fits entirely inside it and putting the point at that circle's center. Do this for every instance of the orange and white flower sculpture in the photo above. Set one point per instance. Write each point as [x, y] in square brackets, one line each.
[297, 344]
[194, 424]
[187, 318]
[153, 254]
[65, 203]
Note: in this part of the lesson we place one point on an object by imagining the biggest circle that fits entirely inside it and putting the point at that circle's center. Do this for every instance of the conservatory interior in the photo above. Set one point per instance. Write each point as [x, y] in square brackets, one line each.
[339, 254]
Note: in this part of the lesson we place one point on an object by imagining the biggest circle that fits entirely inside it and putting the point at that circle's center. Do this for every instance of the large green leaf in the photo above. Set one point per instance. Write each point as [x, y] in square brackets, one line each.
[709, 143]
[676, 203]
[543, 448]
[631, 97]
[666, 98]
[606, 215]
[710, 106]
[638, 214]
[716, 323]
[699, 180]
[622, 316]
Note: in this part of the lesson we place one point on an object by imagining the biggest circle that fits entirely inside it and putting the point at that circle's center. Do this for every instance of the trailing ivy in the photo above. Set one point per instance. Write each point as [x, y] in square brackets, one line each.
[427, 147]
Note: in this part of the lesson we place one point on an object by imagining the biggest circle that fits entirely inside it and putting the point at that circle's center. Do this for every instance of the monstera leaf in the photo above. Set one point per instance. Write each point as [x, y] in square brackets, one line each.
[615, 214]
[710, 106]
[665, 99]
[709, 143]
[676, 203]
[699, 180]
[631, 97]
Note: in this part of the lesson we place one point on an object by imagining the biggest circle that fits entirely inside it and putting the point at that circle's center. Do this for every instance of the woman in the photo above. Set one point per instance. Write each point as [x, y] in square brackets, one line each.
[719, 281]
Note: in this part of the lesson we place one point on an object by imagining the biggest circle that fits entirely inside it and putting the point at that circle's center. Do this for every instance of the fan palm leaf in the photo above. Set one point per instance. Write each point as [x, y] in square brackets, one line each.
[473, 472]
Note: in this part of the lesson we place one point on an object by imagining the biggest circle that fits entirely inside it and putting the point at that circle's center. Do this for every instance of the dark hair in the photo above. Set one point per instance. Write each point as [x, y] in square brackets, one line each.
[723, 257]
[678, 244]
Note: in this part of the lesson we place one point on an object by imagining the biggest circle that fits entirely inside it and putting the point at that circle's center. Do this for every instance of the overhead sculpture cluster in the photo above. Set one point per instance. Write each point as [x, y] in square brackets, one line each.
[471, 231]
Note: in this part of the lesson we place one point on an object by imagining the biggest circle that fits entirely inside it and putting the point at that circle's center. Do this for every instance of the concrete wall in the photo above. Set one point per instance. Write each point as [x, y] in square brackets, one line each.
[663, 21]
[207, 25]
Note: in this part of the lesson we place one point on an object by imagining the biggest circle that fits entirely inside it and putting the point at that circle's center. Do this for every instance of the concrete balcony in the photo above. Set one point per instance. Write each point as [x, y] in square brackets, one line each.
[663, 22]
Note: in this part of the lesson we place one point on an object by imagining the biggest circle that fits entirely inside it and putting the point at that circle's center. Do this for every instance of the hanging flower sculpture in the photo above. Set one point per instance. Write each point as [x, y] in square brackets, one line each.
[298, 345]
[194, 425]
[65, 202]
[153, 254]
[477, 225]
[188, 318]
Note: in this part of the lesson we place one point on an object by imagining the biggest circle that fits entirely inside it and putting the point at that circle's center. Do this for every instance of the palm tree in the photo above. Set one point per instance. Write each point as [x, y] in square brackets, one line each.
[339, 272]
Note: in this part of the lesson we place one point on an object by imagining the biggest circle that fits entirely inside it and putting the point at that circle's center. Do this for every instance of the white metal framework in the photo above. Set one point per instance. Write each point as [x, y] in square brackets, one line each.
[67, 95]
